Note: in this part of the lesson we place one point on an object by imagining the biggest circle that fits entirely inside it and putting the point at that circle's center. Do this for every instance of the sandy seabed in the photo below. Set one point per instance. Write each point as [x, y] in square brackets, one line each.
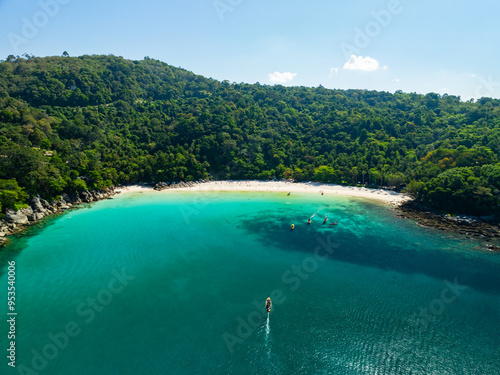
[286, 187]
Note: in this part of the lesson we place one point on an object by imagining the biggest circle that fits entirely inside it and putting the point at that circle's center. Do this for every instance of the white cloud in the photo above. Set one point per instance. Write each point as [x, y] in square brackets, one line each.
[333, 70]
[365, 64]
[397, 80]
[284, 77]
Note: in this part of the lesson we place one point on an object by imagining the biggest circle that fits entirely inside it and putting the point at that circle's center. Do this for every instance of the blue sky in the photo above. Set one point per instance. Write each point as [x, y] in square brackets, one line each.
[419, 46]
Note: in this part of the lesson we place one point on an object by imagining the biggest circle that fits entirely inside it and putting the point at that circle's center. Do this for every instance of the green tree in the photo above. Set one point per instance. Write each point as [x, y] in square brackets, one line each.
[12, 195]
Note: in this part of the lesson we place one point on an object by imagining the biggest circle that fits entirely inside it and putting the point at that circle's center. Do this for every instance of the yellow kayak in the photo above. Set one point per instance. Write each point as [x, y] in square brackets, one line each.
[269, 304]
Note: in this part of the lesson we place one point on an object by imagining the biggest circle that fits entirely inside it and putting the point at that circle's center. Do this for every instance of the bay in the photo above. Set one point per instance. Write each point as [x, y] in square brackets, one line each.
[175, 283]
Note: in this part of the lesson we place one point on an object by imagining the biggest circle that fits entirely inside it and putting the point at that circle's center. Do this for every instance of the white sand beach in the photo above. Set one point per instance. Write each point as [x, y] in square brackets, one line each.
[285, 187]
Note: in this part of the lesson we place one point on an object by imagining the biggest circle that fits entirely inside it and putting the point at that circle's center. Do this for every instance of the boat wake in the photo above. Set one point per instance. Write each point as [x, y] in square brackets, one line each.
[268, 328]
[266, 339]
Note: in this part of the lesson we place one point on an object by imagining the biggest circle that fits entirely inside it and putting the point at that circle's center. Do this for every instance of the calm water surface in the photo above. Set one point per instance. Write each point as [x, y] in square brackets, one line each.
[175, 283]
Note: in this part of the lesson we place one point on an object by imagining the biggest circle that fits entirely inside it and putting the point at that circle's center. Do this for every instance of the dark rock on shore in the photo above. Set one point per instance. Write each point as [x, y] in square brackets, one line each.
[36, 204]
[86, 196]
[486, 228]
[177, 185]
[161, 186]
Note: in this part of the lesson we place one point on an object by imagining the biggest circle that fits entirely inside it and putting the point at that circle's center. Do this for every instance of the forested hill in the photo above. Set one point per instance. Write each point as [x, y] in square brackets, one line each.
[74, 123]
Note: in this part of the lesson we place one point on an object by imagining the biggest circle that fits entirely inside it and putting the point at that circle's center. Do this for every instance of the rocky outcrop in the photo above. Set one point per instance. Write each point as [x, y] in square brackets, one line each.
[36, 204]
[74, 199]
[38, 208]
[45, 204]
[177, 185]
[161, 186]
[66, 198]
[36, 216]
[86, 196]
[486, 228]
[16, 217]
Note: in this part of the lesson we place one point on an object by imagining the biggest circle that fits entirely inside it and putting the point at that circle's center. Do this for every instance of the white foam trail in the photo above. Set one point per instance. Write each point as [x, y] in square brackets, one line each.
[314, 214]
[268, 328]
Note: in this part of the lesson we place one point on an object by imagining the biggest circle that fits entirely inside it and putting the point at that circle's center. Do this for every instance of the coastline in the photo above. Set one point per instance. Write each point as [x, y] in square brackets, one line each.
[38, 209]
[381, 195]
[468, 226]
[405, 207]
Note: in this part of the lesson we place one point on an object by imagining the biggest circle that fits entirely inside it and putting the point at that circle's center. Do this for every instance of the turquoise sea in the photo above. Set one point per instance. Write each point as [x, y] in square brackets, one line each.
[175, 283]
